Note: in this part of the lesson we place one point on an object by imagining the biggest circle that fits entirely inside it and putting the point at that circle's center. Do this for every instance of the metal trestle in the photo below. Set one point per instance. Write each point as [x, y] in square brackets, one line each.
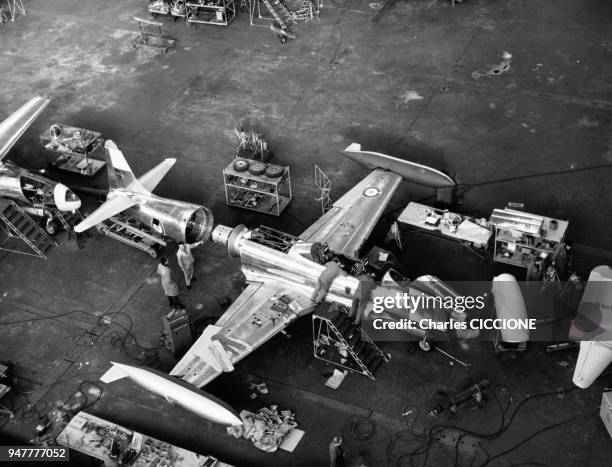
[338, 341]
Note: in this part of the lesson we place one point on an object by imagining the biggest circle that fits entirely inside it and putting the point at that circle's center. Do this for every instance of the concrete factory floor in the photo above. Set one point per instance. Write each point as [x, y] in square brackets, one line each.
[394, 76]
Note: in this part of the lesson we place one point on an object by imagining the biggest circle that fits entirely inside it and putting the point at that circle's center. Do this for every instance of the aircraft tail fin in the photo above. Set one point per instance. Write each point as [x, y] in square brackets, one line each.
[113, 374]
[119, 173]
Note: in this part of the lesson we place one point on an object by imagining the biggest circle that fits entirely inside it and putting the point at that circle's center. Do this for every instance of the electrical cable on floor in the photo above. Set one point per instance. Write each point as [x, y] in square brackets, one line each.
[28, 412]
[362, 428]
[86, 403]
[145, 355]
[505, 424]
[536, 433]
[55, 383]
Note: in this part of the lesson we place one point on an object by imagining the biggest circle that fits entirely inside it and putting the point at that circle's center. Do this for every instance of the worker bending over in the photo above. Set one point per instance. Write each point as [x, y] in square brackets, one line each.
[332, 270]
[186, 260]
[362, 297]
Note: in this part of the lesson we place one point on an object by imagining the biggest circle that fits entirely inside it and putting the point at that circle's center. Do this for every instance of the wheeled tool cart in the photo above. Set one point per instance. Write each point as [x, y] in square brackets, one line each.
[257, 186]
[520, 236]
[79, 150]
[218, 12]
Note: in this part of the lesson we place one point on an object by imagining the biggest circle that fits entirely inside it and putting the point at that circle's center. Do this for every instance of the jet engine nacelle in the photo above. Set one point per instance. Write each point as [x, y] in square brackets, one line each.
[183, 222]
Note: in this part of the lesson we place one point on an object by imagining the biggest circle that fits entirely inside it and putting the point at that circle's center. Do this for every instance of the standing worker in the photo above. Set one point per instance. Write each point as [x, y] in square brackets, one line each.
[534, 270]
[170, 287]
[186, 260]
[336, 454]
[562, 258]
[331, 271]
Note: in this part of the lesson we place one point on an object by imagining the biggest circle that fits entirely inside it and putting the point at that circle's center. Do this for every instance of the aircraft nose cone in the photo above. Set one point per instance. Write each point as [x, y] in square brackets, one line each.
[65, 199]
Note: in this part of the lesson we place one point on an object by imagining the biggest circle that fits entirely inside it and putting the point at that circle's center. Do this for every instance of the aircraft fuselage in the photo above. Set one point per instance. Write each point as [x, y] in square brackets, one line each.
[178, 220]
[34, 190]
[261, 263]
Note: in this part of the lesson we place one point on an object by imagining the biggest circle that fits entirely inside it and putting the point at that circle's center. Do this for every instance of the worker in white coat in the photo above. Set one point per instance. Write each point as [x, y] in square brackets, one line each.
[170, 287]
[186, 260]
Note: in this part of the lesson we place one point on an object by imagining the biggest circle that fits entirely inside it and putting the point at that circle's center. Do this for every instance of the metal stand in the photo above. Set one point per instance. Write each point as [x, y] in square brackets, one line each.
[124, 230]
[150, 34]
[18, 225]
[275, 8]
[15, 9]
[394, 235]
[308, 11]
[323, 183]
[283, 17]
[3, 17]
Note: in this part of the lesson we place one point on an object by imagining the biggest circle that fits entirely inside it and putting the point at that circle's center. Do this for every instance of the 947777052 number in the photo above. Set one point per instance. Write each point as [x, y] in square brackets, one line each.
[32, 453]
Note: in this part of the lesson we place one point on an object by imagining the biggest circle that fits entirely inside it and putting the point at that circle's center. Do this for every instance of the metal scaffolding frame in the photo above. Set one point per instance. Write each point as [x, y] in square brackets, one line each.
[394, 234]
[15, 8]
[323, 183]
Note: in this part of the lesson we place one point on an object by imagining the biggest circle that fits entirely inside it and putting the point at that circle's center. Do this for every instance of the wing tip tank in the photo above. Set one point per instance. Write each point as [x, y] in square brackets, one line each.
[410, 171]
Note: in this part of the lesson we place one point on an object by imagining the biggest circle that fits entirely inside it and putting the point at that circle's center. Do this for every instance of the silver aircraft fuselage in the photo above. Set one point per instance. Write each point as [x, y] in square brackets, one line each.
[178, 220]
[261, 263]
[33, 190]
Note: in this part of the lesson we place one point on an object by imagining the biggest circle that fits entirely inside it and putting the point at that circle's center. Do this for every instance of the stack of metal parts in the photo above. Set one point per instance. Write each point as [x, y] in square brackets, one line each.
[267, 428]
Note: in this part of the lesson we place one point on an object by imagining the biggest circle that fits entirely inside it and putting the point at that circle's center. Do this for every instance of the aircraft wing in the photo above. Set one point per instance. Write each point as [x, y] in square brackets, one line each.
[257, 315]
[348, 224]
[14, 126]
[110, 208]
[152, 178]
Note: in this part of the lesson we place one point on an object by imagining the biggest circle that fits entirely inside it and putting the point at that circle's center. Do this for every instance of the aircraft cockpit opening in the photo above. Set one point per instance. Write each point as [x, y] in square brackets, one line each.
[34, 190]
[65, 199]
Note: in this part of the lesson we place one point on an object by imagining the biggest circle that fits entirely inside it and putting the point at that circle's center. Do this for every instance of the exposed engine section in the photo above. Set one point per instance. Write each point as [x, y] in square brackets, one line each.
[288, 244]
[184, 222]
[230, 238]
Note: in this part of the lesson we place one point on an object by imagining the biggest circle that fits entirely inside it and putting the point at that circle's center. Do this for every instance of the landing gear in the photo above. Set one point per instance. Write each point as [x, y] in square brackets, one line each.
[424, 345]
[51, 226]
[153, 251]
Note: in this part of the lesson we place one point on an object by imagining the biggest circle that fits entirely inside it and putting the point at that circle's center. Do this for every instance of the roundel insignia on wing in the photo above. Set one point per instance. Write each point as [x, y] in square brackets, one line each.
[371, 192]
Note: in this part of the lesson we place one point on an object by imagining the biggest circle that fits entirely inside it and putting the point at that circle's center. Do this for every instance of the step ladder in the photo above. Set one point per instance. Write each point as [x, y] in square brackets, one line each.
[307, 11]
[337, 340]
[279, 12]
[126, 230]
[20, 230]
